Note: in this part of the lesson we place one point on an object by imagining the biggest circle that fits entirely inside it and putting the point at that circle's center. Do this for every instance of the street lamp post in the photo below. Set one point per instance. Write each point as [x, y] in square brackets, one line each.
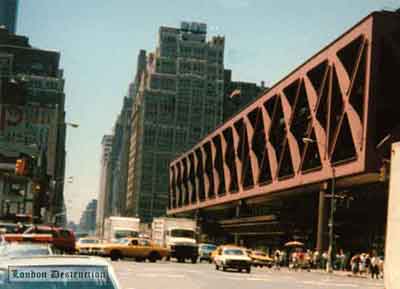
[329, 264]
[56, 182]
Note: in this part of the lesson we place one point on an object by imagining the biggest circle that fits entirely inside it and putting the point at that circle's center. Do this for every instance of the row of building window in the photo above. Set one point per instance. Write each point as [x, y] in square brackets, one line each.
[158, 82]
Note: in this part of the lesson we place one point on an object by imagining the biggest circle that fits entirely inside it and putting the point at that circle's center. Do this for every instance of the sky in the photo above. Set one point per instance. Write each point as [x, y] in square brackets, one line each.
[99, 41]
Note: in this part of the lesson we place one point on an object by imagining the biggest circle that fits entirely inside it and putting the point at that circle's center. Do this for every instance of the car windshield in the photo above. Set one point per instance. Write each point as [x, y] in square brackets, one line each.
[23, 250]
[121, 241]
[180, 233]
[57, 277]
[233, 252]
[88, 241]
[9, 228]
[125, 233]
[208, 247]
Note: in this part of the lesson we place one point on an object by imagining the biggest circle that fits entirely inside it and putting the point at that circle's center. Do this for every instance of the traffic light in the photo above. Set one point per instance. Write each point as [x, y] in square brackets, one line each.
[21, 167]
[36, 187]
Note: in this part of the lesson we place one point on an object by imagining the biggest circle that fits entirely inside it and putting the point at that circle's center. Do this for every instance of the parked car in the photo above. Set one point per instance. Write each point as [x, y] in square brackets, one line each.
[85, 246]
[66, 272]
[26, 250]
[12, 228]
[260, 259]
[205, 251]
[140, 249]
[232, 258]
[63, 239]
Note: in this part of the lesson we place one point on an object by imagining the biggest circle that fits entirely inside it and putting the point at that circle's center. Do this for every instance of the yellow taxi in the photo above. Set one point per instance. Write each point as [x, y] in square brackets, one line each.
[260, 259]
[137, 248]
[87, 246]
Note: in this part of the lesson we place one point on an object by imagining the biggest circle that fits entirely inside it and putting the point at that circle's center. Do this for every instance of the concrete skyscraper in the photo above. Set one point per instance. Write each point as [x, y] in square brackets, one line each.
[8, 14]
[179, 100]
[102, 206]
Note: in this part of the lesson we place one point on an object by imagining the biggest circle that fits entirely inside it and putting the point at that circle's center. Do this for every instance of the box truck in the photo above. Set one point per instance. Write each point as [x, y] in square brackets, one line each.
[120, 227]
[178, 235]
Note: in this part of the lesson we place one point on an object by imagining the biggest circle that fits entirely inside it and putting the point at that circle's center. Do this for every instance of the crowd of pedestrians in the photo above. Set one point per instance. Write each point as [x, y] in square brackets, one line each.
[358, 264]
[367, 264]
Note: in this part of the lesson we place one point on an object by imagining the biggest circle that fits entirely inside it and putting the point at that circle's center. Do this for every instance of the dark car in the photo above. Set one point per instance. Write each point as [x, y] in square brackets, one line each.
[205, 251]
[63, 239]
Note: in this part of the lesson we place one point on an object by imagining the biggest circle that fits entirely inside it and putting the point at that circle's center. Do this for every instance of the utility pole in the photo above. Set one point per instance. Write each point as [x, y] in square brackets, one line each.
[329, 264]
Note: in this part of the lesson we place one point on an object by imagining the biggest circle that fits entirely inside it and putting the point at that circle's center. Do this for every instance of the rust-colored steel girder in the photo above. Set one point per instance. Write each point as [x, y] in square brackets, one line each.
[321, 121]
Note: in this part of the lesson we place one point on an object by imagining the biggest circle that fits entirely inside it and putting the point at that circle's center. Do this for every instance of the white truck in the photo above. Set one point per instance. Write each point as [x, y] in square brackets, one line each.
[120, 227]
[178, 235]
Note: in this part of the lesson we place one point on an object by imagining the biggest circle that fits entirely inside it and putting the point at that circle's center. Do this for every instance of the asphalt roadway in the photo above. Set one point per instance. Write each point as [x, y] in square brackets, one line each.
[171, 275]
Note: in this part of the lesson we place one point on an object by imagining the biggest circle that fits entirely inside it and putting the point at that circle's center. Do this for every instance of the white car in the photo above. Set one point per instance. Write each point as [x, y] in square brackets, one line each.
[232, 258]
[57, 272]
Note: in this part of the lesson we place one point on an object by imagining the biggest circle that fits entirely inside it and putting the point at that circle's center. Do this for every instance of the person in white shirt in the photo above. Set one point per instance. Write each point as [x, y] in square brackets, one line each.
[375, 262]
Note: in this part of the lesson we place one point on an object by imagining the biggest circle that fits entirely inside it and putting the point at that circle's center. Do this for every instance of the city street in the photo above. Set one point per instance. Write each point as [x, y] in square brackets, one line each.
[171, 275]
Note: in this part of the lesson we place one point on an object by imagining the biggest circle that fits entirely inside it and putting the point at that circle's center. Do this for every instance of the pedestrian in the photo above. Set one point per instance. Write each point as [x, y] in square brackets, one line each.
[294, 261]
[308, 260]
[284, 258]
[381, 267]
[354, 262]
[277, 260]
[19, 228]
[316, 260]
[361, 264]
[324, 260]
[367, 263]
[375, 272]
[2, 238]
[337, 261]
[342, 258]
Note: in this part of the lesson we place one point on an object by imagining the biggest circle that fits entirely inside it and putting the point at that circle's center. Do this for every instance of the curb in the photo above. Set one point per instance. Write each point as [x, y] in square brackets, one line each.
[344, 274]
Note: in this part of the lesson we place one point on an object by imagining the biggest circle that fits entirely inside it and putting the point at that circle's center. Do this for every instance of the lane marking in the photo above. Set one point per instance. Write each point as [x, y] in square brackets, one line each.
[233, 278]
[155, 275]
[257, 279]
[325, 284]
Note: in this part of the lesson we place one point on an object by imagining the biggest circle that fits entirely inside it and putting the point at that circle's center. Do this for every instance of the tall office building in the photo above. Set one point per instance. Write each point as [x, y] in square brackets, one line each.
[32, 122]
[119, 159]
[87, 223]
[179, 99]
[8, 14]
[115, 162]
[239, 94]
[102, 205]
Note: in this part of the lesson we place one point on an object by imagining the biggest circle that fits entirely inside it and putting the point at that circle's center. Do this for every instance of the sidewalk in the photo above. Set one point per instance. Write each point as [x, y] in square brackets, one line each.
[343, 274]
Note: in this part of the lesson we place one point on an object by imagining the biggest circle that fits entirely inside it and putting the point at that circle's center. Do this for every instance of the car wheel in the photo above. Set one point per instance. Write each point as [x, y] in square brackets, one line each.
[115, 255]
[223, 268]
[248, 270]
[216, 267]
[153, 257]
[194, 260]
